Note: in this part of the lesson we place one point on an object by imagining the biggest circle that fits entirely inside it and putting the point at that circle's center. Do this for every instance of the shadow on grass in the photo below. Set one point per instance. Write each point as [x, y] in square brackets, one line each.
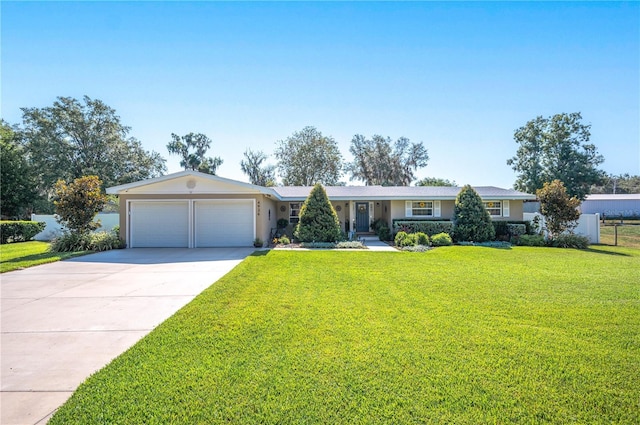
[260, 253]
[494, 245]
[46, 256]
[594, 249]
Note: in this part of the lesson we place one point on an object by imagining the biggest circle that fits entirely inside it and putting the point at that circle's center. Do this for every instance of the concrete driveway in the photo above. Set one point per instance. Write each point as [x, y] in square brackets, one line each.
[63, 321]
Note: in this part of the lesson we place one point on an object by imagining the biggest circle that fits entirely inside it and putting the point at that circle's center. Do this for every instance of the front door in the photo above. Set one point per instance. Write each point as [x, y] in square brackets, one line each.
[362, 216]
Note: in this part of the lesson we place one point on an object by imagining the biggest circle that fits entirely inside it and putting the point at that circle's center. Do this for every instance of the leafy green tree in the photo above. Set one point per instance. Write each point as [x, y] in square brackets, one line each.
[261, 175]
[192, 149]
[307, 157]
[78, 202]
[556, 148]
[72, 139]
[623, 183]
[435, 181]
[379, 162]
[17, 179]
[559, 210]
[471, 219]
[318, 220]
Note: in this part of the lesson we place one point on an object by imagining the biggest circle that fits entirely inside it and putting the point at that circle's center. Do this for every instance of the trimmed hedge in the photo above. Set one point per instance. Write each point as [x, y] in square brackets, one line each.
[529, 240]
[20, 231]
[429, 227]
[506, 230]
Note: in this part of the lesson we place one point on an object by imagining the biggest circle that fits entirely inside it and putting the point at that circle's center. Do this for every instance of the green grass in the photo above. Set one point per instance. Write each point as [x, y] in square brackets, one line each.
[628, 236]
[463, 335]
[21, 255]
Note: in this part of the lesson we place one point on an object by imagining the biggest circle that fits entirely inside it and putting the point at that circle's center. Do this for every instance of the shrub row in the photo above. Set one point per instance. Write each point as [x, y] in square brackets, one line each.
[505, 230]
[97, 241]
[429, 227]
[333, 245]
[560, 241]
[20, 231]
[404, 239]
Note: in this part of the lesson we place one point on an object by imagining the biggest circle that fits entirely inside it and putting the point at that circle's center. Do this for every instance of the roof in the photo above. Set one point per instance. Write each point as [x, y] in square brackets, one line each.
[616, 197]
[375, 193]
[213, 184]
[187, 174]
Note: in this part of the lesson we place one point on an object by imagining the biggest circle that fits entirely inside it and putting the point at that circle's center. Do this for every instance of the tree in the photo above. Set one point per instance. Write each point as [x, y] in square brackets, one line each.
[78, 202]
[17, 179]
[435, 181]
[72, 139]
[559, 210]
[556, 148]
[258, 174]
[318, 220]
[307, 157]
[377, 162]
[192, 148]
[624, 183]
[471, 219]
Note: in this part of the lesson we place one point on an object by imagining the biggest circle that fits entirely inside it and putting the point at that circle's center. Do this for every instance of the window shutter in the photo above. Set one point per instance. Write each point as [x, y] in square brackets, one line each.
[436, 209]
[505, 208]
[407, 209]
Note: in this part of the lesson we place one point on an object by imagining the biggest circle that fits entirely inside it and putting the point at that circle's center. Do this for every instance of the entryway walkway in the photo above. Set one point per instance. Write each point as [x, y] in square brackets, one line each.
[373, 243]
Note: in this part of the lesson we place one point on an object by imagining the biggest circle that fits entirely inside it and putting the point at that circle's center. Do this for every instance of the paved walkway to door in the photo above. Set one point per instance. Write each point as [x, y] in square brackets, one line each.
[63, 321]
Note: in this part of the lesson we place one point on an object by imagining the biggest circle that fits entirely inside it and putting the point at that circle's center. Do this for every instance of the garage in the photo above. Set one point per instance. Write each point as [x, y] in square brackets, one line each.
[159, 224]
[220, 223]
[190, 209]
[191, 223]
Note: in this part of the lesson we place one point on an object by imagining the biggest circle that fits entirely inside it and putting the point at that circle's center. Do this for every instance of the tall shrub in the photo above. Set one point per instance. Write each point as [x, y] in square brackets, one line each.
[471, 220]
[78, 202]
[318, 220]
[559, 210]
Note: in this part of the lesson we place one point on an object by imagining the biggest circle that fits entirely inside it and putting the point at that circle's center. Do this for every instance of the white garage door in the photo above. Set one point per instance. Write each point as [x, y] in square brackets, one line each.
[159, 224]
[224, 223]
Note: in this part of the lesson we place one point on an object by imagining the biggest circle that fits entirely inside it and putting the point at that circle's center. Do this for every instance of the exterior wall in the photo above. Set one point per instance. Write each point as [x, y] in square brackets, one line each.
[516, 208]
[446, 209]
[263, 224]
[267, 218]
[397, 210]
[343, 213]
[341, 207]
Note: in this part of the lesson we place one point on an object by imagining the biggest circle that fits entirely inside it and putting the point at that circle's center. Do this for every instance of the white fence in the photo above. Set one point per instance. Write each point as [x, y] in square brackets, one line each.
[588, 225]
[53, 228]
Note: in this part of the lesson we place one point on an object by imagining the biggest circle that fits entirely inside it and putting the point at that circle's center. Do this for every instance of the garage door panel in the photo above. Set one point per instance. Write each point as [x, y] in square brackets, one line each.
[223, 223]
[163, 224]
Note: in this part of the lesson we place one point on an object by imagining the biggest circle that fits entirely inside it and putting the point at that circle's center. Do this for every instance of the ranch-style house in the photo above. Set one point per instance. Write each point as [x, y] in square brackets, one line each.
[195, 210]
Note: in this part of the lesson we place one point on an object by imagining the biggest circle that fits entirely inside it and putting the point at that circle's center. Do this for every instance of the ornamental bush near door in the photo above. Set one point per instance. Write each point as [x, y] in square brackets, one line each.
[318, 220]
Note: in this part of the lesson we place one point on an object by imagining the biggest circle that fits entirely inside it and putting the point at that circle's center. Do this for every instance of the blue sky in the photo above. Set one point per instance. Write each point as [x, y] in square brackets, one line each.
[459, 77]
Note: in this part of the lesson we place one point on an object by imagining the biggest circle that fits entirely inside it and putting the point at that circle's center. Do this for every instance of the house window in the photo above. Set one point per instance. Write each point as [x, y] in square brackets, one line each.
[422, 209]
[294, 212]
[494, 208]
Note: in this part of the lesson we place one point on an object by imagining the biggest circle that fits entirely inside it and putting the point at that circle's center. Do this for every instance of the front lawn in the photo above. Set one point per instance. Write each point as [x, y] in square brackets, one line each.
[463, 335]
[14, 256]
